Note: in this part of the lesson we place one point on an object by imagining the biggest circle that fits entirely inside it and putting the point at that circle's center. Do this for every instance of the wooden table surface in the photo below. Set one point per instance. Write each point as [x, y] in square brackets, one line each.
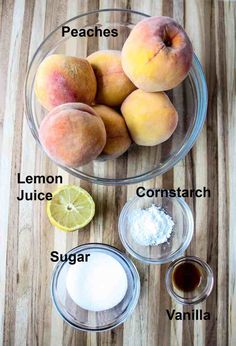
[27, 316]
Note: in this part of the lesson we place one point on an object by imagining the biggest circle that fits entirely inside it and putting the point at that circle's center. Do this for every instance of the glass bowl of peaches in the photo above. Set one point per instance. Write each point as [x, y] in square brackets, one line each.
[116, 96]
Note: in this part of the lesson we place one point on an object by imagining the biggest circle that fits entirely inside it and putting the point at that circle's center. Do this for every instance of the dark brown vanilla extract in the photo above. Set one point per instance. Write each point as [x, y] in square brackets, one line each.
[186, 277]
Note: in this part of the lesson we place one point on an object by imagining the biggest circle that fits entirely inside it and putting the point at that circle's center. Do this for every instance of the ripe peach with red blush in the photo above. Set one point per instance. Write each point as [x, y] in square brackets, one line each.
[72, 134]
[157, 55]
[62, 79]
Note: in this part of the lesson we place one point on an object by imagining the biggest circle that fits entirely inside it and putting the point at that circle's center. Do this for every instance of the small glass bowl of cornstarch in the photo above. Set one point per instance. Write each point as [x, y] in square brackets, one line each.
[156, 229]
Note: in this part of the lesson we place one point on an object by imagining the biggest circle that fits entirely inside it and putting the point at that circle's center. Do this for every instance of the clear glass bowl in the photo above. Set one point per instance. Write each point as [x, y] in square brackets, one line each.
[89, 320]
[139, 163]
[179, 240]
[201, 292]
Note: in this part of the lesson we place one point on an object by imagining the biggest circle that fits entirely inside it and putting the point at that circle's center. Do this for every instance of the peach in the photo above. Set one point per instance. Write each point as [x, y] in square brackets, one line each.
[72, 134]
[118, 139]
[113, 86]
[62, 79]
[151, 117]
[157, 55]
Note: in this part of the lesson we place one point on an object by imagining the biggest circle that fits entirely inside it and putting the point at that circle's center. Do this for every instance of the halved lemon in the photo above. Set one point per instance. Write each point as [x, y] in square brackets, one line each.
[71, 208]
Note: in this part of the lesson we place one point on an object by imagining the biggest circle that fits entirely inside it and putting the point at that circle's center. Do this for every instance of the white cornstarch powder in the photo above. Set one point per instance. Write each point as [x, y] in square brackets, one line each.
[151, 226]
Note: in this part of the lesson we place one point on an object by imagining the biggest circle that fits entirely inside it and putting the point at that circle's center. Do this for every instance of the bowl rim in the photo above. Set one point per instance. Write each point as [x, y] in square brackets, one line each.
[130, 265]
[171, 162]
[179, 252]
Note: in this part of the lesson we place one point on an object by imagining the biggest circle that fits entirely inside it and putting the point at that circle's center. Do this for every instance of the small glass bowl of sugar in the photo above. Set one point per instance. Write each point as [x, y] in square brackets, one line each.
[156, 229]
[97, 294]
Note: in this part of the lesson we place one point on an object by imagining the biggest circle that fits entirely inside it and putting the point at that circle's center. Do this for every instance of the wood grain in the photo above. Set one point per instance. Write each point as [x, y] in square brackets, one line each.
[27, 316]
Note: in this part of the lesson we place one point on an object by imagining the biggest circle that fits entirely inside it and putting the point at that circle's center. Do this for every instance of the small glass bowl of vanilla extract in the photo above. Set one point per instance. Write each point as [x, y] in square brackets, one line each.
[189, 280]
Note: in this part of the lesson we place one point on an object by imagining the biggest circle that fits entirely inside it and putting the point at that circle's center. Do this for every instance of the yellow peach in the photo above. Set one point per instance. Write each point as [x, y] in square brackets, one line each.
[118, 139]
[113, 86]
[150, 117]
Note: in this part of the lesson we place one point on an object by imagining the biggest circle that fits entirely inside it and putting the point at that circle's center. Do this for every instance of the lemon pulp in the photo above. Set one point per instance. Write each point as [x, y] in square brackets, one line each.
[71, 208]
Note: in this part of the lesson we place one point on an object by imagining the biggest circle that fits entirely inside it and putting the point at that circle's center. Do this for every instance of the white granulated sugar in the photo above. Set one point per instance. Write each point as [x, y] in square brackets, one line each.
[151, 226]
[97, 285]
